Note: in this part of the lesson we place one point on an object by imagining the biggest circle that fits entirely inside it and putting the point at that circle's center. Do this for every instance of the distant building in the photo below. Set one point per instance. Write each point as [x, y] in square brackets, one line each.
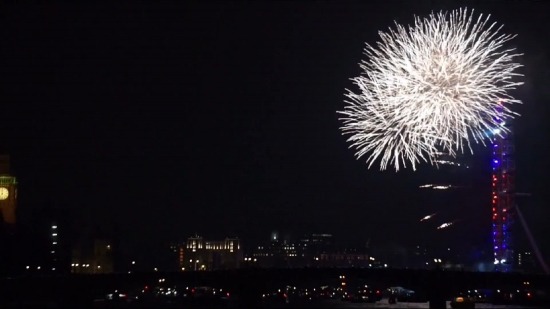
[525, 262]
[47, 251]
[200, 254]
[46, 240]
[278, 254]
[313, 250]
[421, 258]
[93, 257]
[348, 258]
[317, 245]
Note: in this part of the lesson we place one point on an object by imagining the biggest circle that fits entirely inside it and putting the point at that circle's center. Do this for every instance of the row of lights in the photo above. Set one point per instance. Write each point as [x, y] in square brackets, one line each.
[28, 267]
[83, 265]
[54, 238]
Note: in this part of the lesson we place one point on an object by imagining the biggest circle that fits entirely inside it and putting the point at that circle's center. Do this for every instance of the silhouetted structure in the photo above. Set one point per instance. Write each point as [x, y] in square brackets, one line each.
[46, 239]
[8, 202]
[8, 193]
[93, 256]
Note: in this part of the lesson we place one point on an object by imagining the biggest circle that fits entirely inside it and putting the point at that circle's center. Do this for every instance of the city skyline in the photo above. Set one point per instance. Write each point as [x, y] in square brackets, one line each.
[172, 119]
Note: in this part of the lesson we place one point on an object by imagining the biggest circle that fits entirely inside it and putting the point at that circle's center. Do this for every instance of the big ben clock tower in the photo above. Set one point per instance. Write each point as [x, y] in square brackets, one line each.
[8, 192]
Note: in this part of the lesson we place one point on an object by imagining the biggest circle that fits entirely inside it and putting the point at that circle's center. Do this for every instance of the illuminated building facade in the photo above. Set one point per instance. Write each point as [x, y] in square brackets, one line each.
[8, 192]
[502, 197]
[199, 254]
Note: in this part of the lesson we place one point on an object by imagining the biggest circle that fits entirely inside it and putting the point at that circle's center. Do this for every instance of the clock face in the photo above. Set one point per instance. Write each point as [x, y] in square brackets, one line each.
[4, 193]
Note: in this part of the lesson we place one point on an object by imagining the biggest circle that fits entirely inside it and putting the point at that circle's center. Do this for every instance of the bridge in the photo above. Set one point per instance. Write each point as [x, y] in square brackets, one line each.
[249, 284]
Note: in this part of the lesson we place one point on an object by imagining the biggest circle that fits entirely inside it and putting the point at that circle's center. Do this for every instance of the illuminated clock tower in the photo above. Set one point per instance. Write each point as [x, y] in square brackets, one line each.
[8, 192]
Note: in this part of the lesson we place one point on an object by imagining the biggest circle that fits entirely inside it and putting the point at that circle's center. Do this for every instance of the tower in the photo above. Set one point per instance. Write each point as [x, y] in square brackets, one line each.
[8, 192]
[502, 196]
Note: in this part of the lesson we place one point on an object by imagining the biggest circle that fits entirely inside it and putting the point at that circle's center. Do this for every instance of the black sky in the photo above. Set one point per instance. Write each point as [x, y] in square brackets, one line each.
[170, 118]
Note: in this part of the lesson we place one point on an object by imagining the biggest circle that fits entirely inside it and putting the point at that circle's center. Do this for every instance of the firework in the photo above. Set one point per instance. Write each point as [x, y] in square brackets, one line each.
[445, 225]
[437, 187]
[427, 217]
[433, 87]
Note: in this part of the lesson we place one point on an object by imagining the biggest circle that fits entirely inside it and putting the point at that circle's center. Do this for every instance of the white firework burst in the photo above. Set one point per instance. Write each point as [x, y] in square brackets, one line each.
[431, 87]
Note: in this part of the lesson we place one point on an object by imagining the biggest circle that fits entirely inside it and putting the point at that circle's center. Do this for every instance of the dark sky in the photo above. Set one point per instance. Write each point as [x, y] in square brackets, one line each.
[219, 118]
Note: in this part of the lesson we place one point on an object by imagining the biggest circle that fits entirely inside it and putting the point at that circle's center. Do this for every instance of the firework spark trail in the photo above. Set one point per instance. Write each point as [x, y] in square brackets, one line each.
[445, 225]
[429, 88]
[427, 217]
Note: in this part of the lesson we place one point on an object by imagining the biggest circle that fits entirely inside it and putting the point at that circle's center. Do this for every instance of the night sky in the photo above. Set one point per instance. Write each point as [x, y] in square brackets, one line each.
[219, 118]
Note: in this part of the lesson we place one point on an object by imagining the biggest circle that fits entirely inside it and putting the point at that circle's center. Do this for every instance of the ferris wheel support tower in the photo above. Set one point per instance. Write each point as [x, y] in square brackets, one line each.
[502, 201]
